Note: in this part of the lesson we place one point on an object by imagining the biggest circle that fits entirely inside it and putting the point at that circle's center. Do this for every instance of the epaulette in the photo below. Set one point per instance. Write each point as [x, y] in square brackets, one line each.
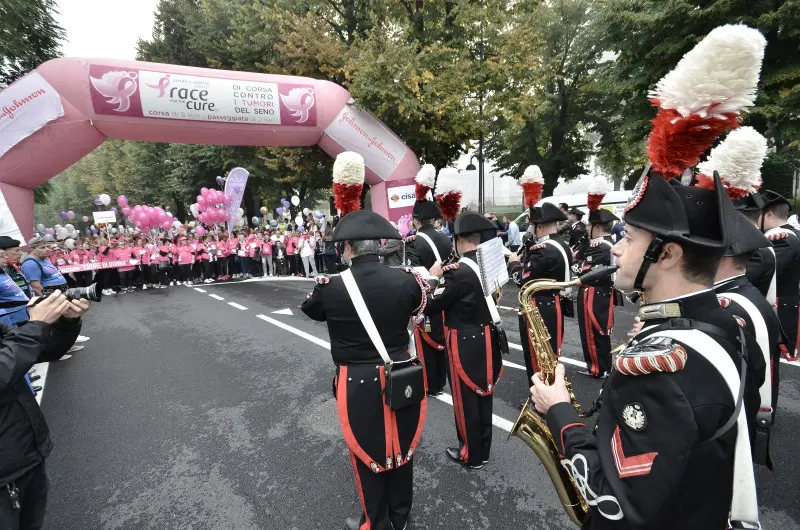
[651, 355]
[724, 301]
[409, 239]
[451, 267]
[739, 320]
[322, 279]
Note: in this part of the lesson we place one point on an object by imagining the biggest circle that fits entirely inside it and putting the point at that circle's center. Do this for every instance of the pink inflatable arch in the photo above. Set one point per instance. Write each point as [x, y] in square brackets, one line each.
[67, 107]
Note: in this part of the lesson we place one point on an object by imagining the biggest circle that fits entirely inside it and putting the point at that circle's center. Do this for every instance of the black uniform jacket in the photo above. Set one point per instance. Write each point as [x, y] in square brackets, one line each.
[24, 436]
[471, 335]
[761, 269]
[391, 295]
[544, 261]
[649, 463]
[597, 252]
[420, 254]
[756, 364]
[787, 261]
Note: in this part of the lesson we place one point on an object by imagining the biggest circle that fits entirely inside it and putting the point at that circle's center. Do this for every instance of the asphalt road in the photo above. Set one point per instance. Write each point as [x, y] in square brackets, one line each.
[190, 411]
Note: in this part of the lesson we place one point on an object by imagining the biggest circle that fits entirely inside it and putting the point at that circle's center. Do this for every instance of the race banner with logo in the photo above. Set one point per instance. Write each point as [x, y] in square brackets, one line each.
[357, 130]
[235, 183]
[82, 267]
[148, 94]
[25, 107]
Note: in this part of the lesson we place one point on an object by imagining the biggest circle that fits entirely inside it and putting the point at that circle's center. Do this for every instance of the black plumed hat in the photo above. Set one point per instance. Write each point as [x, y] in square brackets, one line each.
[363, 225]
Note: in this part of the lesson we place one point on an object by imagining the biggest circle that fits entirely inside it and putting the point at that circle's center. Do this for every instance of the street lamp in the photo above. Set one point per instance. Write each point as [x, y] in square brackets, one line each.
[471, 167]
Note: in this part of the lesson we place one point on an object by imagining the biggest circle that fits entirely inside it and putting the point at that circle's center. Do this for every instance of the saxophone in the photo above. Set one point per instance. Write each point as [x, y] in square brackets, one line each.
[530, 427]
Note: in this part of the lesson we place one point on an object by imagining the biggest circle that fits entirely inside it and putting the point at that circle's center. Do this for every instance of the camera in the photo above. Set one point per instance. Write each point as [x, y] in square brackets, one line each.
[90, 293]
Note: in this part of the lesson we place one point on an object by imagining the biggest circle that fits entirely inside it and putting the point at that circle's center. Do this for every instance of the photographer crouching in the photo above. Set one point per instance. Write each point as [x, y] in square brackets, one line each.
[53, 323]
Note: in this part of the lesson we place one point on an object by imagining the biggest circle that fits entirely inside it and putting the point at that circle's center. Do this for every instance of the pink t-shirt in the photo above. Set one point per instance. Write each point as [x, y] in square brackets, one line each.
[124, 254]
[185, 253]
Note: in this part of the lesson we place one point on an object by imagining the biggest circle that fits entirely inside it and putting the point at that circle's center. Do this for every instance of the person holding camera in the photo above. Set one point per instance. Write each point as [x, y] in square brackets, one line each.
[25, 441]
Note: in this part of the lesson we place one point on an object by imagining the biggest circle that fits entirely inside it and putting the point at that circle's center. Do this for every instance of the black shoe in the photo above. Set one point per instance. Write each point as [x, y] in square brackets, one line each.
[587, 373]
[352, 523]
[34, 378]
[454, 454]
[37, 388]
[474, 466]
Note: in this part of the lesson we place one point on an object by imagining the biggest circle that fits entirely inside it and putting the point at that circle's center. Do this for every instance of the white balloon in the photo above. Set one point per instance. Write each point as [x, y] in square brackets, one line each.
[69, 243]
[48, 237]
[273, 238]
[69, 228]
[105, 199]
[306, 211]
[241, 211]
[113, 230]
[296, 200]
[40, 227]
[298, 219]
[192, 224]
[58, 227]
[176, 224]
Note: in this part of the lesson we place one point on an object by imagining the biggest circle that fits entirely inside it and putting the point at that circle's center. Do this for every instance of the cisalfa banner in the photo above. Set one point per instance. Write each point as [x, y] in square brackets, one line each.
[25, 107]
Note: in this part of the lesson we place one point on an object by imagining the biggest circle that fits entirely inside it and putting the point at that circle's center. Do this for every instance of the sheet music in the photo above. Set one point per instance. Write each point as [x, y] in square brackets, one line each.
[492, 263]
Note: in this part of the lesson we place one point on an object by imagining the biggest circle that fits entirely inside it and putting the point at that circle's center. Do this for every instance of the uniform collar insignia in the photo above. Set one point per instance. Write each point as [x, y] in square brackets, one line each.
[660, 311]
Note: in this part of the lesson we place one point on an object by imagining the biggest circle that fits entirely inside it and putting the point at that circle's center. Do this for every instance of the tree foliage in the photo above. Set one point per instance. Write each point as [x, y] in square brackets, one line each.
[29, 36]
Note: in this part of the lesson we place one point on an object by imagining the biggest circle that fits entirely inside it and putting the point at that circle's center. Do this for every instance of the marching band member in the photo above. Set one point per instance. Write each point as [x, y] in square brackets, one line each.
[472, 344]
[670, 448]
[367, 309]
[596, 302]
[426, 247]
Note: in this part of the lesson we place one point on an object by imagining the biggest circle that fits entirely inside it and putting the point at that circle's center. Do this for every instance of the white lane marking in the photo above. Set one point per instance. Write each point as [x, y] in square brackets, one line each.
[199, 290]
[299, 333]
[216, 297]
[513, 365]
[272, 279]
[237, 306]
[497, 421]
[564, 359]
[41, 370]
[286, 311]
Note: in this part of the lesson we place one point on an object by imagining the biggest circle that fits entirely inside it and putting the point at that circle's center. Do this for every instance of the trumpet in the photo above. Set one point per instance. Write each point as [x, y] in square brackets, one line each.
[530, 427]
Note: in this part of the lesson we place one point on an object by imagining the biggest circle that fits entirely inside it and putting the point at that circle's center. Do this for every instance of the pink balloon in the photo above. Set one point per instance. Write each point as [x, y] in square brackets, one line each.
[200, 231]
[122, 201]
[85, 218]
[126, 211]
[201, 203]
[226, 200]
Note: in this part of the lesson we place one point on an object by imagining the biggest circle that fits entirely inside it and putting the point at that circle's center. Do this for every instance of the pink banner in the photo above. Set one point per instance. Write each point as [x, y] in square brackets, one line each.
[66, 269]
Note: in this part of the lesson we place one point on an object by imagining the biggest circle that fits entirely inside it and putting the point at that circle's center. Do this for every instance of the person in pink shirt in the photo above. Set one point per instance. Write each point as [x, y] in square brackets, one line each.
[185, 260]
[222, 257]
[289, 242]
[81, 256]
[204, 254]
[164, 261]
[197, 248]
[266, 255]
[233, 246]
[124, 252]
[142, 253]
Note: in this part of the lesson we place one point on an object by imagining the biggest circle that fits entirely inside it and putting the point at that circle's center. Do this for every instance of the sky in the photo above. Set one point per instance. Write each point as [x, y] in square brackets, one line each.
[105, 28]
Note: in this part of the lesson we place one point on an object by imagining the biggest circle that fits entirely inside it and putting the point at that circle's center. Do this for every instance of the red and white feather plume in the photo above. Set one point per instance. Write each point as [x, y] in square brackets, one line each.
[532, 183]
[597, 190]
[348, 181]
[704, 96]
[448, 193]
[738, 161]
[426, 178]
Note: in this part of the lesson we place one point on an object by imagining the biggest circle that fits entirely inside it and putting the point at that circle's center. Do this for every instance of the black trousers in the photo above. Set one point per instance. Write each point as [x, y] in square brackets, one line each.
[434, 357]
[389, 493]
[184, 272]
[84, 279]
[32, 489]
[208, 269]
[125, 279]
[330, 263]
[788, 315]
[550, 309]
[292, 264]
[473, 415]
[595, 320]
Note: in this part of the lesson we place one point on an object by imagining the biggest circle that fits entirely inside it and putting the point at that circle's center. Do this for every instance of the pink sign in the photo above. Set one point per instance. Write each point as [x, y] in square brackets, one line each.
[143, 93]
[66, 269]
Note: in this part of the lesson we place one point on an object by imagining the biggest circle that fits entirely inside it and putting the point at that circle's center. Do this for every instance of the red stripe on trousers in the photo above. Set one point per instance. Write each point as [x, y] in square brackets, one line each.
[594, 368]
[344, 421]
[458, 404]
[367, 524]
[559, 331]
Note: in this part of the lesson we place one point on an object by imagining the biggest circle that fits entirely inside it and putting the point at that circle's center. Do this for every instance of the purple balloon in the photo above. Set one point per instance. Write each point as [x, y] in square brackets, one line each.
[114, 210]
[85, 218]
[279, 211]
[220, 180]
[63, 215]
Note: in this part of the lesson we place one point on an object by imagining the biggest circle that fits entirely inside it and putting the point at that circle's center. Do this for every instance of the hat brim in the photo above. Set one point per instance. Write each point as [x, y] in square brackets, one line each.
[363, 225]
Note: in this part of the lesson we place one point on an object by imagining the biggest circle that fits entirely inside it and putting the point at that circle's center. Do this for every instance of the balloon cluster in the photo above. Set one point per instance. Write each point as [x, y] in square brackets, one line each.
[147, 218]
[67, 215]
[210, 208]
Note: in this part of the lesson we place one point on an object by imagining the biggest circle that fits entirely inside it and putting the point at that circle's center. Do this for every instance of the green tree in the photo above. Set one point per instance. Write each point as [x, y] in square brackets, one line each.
[648, 38]
[29, 36]
[543, 115]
